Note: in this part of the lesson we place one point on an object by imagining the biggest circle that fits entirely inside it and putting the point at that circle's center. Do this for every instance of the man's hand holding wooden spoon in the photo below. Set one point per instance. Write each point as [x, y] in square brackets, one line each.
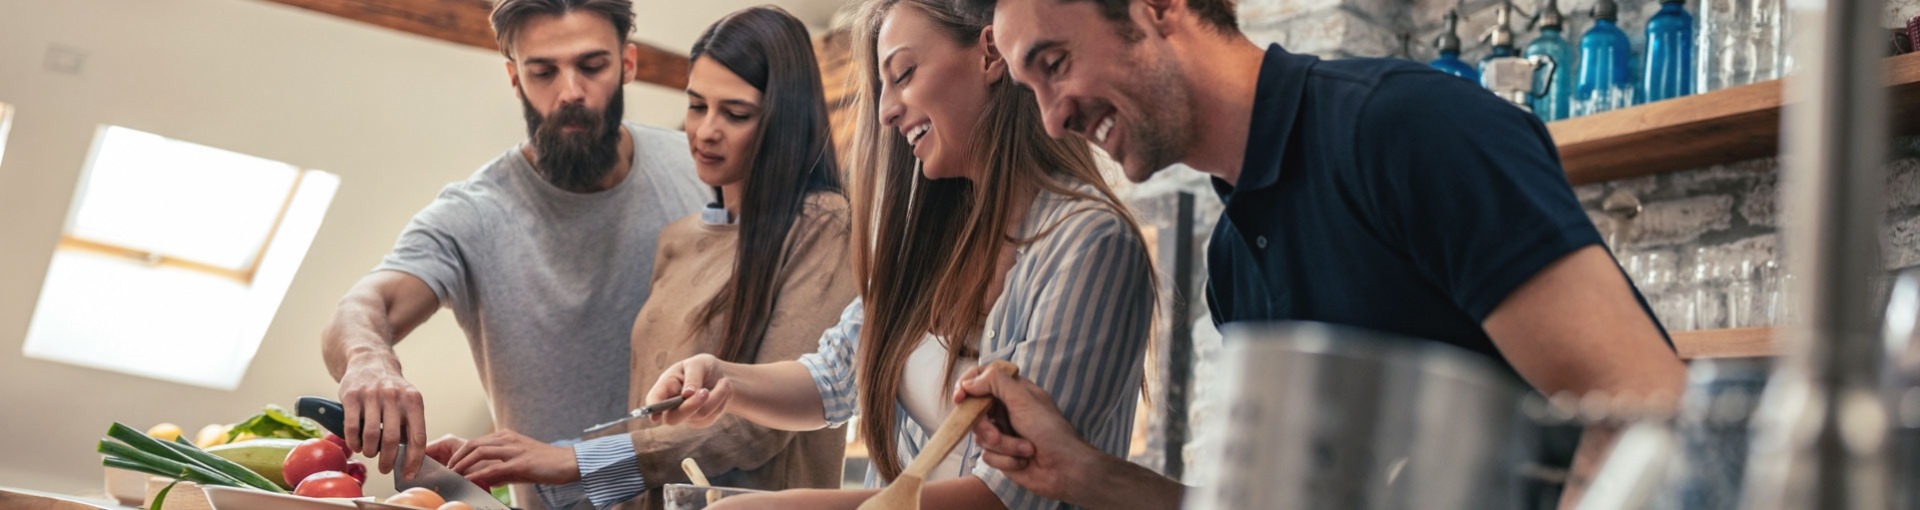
[1047, 456]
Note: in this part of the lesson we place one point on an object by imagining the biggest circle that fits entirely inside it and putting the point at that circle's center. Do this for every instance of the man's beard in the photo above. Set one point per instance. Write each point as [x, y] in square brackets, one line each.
[575, 161]
[1160, 138]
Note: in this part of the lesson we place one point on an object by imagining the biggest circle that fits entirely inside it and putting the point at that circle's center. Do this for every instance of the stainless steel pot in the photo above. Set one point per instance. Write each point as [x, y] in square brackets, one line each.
[1322, 416]
[1901, 387]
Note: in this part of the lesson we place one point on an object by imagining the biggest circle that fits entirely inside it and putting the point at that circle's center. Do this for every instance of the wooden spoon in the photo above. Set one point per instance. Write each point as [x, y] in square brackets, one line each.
[904, 492]
[698, 477]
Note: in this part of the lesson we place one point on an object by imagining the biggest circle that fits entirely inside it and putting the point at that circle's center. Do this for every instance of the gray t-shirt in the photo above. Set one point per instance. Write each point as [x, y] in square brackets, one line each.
[546, 282]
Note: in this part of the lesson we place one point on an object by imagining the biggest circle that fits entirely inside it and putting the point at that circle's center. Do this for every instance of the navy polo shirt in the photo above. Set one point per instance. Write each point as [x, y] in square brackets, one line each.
[1387, 195]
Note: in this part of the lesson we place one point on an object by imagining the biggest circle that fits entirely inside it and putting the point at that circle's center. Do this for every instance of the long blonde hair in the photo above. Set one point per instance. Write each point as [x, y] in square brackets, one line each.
[927, 250]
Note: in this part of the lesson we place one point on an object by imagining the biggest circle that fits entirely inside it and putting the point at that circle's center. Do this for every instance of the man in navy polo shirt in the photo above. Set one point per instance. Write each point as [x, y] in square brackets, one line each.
[1367, 192]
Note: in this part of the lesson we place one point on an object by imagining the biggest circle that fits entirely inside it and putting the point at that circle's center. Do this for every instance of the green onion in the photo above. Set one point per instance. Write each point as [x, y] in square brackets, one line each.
[161, 497]
[119, 463]
[180, 470]
[219, 471]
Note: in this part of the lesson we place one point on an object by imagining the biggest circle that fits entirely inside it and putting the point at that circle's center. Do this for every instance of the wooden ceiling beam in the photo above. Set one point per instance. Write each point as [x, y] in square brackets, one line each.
[466, 22]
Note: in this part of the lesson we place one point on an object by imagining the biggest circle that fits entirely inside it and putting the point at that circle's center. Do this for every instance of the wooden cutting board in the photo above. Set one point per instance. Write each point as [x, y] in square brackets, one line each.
[22, 499]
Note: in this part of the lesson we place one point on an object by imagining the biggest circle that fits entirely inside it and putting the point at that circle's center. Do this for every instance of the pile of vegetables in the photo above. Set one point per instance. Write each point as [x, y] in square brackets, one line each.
[273, 451]
[133, 450]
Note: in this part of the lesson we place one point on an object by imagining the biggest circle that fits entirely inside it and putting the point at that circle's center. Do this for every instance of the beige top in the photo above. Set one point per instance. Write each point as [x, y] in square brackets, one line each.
[693, 264]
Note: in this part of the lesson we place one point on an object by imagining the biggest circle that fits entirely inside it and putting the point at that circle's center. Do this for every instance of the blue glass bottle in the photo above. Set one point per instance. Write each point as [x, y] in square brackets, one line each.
[1558, 102]
[1449, 46]
[1669, 59]
[1606, 75]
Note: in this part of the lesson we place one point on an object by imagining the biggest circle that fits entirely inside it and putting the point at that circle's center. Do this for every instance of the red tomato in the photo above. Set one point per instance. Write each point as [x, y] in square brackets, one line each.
[328, 484]
[312, 456]
[357, 470]
[342, 443]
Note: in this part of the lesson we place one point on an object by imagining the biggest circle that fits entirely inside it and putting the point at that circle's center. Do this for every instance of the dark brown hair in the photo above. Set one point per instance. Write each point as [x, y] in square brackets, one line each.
[928, 249]
[792, 157]
[1217, 13]
[510, 15]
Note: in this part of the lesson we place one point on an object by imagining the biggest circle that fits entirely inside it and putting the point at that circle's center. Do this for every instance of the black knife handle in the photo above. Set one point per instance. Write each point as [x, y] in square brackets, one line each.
[325, 411]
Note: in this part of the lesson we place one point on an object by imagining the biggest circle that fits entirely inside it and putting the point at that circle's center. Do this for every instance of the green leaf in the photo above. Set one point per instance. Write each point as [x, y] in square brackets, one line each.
[275, 421]
[161, 497]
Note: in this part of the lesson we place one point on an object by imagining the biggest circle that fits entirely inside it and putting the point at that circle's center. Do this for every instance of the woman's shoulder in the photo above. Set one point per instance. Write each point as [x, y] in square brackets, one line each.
[681, 229]
[825, 210]
[683, 236]
[1079, 216]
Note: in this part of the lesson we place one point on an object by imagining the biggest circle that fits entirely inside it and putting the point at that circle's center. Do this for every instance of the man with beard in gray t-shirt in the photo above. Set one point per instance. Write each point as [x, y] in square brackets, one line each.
[544, 255]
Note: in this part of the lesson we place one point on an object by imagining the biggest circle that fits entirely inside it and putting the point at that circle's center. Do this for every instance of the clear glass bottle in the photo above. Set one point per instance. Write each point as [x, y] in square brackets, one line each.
[1740, 42]
[1720, 31]
[1766, 32]
[1669, 59]
[1558, 102]
[1606, 75]
[1709, 291]
[1449, 46]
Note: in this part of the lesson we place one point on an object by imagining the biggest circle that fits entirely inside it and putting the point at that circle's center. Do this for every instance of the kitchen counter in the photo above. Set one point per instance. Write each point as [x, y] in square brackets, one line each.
[22, 499]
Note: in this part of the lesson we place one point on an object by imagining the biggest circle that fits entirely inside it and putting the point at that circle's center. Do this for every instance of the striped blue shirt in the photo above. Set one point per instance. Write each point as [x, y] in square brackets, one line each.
[1075, 317]
[609, 474]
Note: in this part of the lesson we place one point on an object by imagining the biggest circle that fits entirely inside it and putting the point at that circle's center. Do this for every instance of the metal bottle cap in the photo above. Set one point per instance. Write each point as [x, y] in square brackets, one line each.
[1606, 10]
[1550, 16]
[1501, 35]
[1450, 40]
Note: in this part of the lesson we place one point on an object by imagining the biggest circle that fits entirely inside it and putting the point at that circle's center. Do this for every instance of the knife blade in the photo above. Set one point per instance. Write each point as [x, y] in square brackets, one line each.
[443, 481]
[642, 412]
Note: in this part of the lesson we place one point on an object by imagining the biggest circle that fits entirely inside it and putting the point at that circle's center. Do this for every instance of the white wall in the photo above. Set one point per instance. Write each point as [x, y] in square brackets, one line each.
[396, 116]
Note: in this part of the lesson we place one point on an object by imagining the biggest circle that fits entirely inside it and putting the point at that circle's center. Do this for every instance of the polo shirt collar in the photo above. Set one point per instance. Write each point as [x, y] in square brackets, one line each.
[1276, 108]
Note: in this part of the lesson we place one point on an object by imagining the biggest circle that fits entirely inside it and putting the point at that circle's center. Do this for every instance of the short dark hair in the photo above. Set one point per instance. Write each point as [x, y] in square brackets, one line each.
[1217, 14]
[510, 15]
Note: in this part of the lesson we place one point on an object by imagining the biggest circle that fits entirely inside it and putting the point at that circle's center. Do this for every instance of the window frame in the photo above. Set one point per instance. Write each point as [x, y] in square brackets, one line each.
[78, 243]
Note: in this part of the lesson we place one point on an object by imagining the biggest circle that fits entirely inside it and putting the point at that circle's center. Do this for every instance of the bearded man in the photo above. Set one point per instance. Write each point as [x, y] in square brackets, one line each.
[544, 255]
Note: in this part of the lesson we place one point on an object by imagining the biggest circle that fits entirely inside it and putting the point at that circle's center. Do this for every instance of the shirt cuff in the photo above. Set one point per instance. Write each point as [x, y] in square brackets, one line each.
[835, 405]
[609, 474]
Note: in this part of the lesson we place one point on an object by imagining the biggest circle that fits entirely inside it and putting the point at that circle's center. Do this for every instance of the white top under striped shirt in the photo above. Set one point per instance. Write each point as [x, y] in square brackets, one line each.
[1075, 317]
[923, 395]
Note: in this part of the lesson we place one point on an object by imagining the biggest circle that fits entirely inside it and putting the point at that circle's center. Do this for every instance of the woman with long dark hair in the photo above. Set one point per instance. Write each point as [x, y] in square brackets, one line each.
[978, 238]
[752, 279]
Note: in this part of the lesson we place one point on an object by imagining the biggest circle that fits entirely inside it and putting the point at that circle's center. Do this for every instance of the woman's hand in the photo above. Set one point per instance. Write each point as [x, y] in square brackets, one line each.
[509, 457]
[442, 449]
[702, 381]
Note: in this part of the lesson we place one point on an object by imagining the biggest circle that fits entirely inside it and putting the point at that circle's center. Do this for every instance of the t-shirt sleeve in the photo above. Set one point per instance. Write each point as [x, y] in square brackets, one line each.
[433, 246]
[1471, 186]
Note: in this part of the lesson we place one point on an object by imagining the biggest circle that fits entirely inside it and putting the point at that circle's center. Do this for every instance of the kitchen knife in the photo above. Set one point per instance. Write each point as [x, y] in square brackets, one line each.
[445, 482]
[642, 412]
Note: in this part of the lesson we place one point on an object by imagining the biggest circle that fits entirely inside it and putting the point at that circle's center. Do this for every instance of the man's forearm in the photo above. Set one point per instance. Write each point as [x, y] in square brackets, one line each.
[1116, 483]
[358, 334]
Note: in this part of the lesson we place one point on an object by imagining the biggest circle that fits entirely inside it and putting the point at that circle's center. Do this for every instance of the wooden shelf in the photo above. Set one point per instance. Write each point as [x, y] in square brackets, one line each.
[1717, 127]
[1724, 343]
